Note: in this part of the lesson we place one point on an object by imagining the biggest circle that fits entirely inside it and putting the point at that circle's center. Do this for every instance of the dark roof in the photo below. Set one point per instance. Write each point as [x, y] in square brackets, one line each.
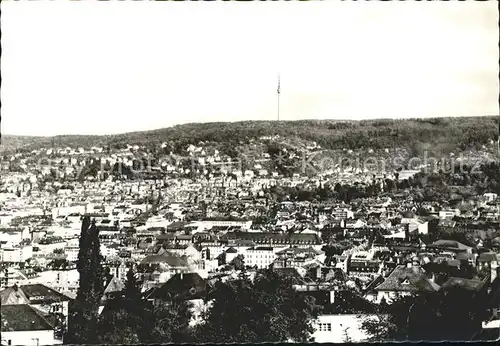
[22, 317]
[231, 250]
[450, 244]
[167, 236]
[184, 237]
[220, 228]
[148, 292]
[372, 285]
[487, 257]
[411, 279]
[175, 246]
[12, 230]
[36, 293]
[262, 248]
[348, 302]
[242, 243]
[453, 263]
[95, 214]
[278, 238]
[297, 251]
[185, 286]
[464, 256]
[156, 229]
[468, 284]
[176, 225]
[114, 285]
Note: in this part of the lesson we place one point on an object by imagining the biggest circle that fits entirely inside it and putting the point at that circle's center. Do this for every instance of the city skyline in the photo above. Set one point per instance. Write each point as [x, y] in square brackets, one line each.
[144, 65]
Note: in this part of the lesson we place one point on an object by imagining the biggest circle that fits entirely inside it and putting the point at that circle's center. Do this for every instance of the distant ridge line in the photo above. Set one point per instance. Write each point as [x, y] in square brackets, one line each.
[281, 122]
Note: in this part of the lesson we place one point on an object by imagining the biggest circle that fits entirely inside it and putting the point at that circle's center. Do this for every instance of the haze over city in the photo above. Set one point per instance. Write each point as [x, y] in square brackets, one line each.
[104, 68]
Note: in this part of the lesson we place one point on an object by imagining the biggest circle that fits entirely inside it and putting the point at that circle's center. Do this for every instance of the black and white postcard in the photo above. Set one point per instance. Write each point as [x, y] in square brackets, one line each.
[217, 172]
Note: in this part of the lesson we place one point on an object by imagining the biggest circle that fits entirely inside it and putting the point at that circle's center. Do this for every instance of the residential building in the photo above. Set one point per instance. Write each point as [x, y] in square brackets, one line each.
[404, 280]
[260, 257]
[24, 325]
[41, 297]
[340, 328]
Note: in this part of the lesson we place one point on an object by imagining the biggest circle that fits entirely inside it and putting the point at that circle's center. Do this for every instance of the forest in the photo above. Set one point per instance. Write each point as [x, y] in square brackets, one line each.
[442, 134]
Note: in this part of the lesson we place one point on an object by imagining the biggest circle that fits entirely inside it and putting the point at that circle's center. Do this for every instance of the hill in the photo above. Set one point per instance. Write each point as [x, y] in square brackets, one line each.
[13, 142]
[442, 135]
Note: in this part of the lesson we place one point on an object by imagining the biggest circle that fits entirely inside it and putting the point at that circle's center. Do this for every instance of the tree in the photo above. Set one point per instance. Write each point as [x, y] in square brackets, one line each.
[116, 327]
[166, 322]
[349, 302]
[131, 320]
[84, 310]
[58, 251]
[132, 289]
[429, 317]
[459, 322]
[391, 322]
[238, 262]
[265, 310]
[422, 212]
[329, 232]
[345, 335]
[58, 320]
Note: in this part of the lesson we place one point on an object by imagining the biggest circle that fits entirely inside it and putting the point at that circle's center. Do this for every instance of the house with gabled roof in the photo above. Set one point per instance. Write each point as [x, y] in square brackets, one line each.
[450, 245]
[472, 285]
[22, 324]
[159, 268]
[231, 254]
[37, 295]
[297, 257]
[403, 281]
[44, 299]
[190, 287]
[181, 287]
[112, 291]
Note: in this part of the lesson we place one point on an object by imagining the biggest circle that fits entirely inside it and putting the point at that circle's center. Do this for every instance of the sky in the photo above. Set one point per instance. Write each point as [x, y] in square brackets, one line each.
[120, 66]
